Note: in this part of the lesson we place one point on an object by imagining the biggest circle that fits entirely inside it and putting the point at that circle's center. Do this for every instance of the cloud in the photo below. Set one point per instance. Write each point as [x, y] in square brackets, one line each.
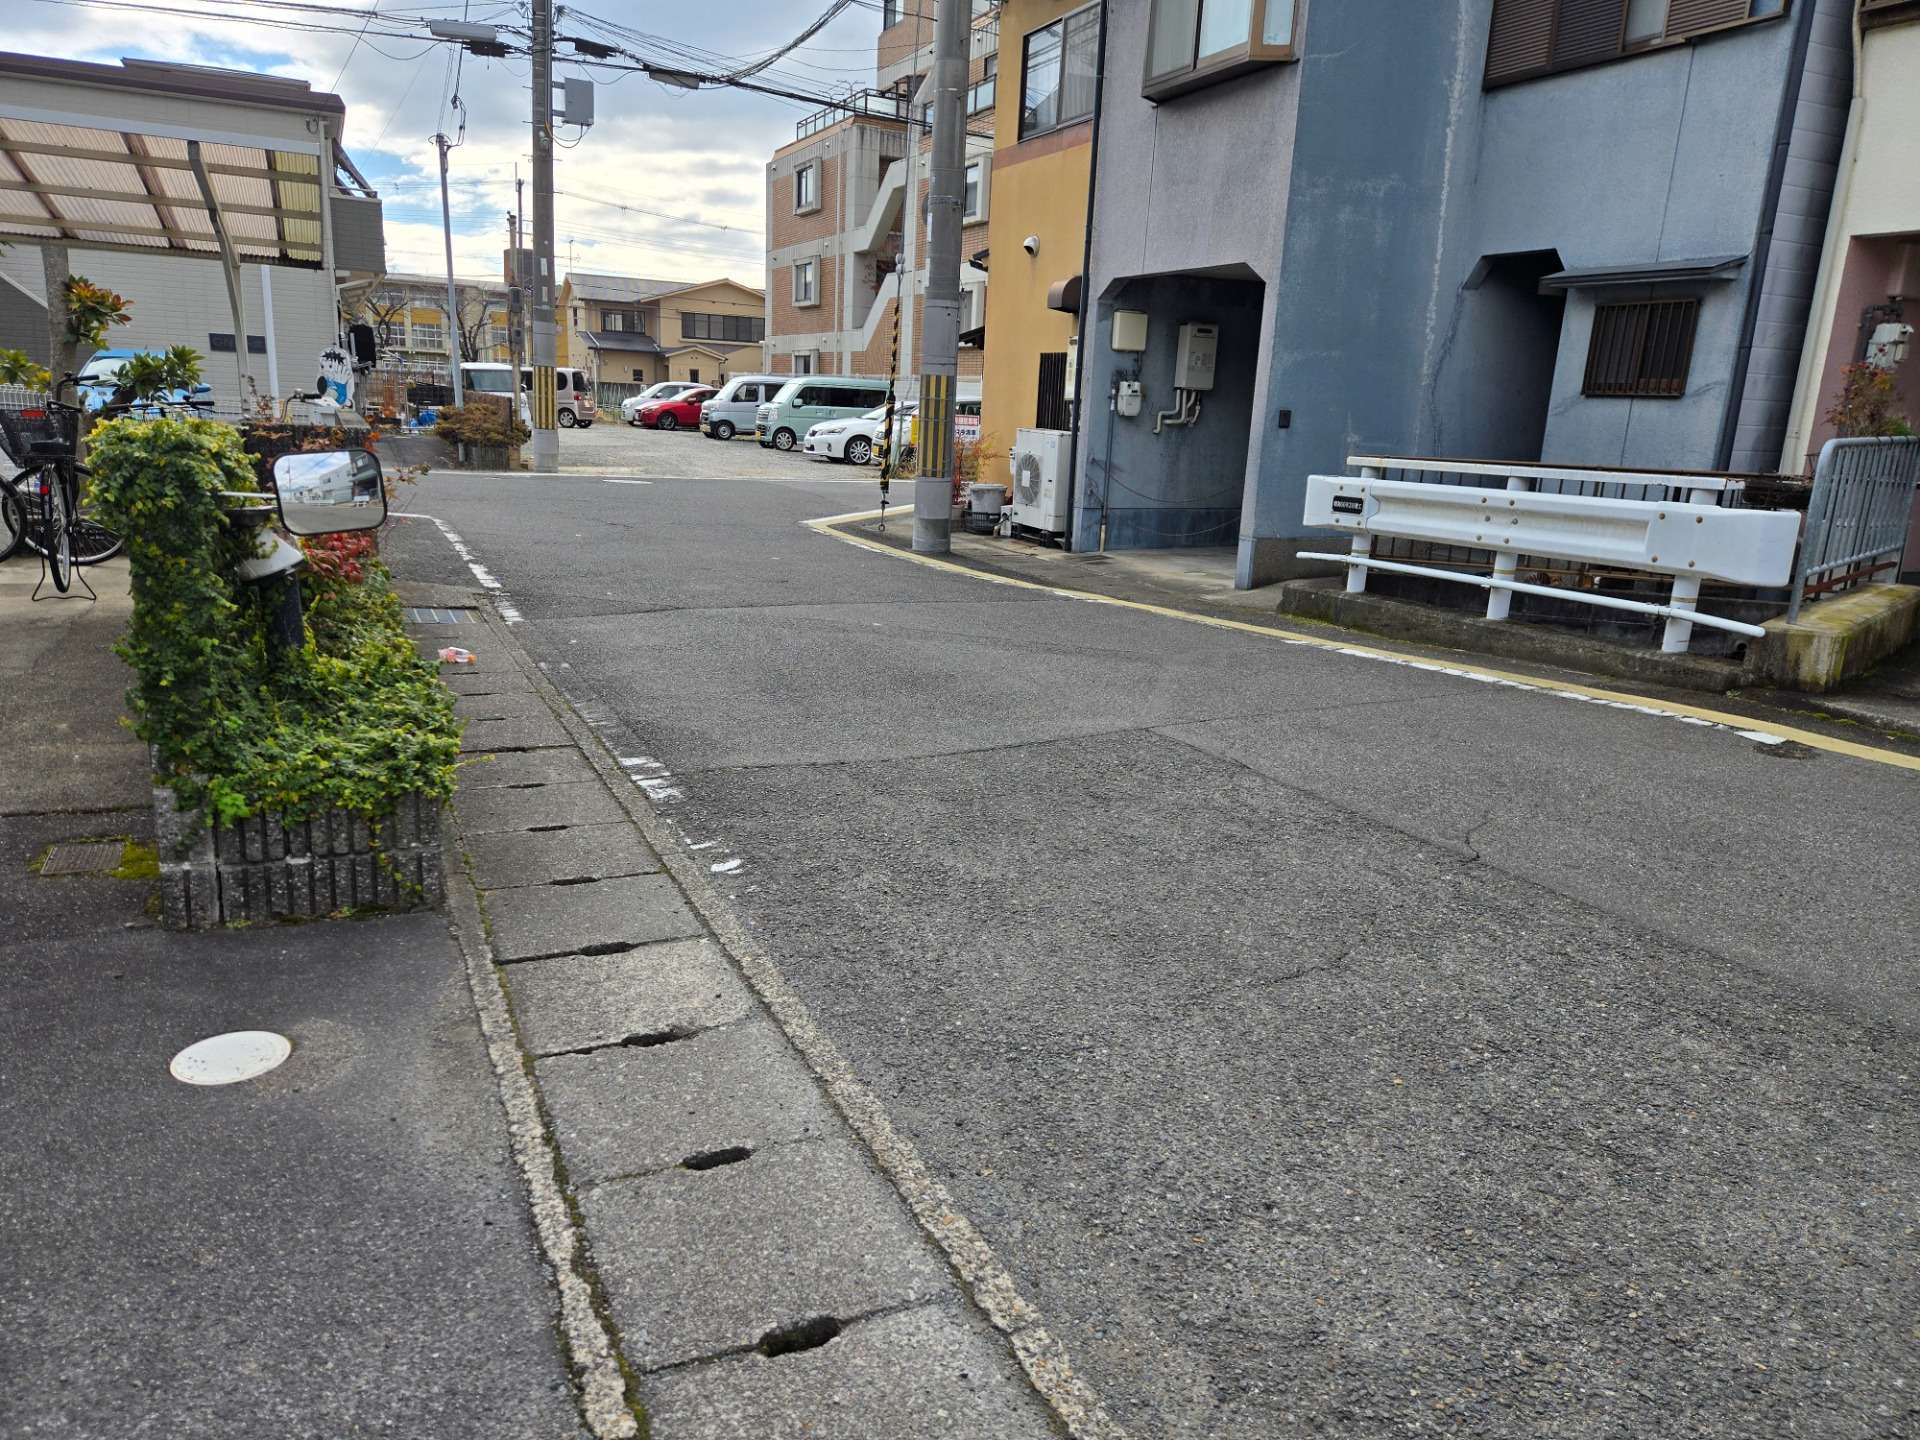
[700, 157]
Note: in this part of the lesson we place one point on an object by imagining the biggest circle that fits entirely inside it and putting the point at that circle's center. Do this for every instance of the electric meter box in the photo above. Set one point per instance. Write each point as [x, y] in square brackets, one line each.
[1193, 361]
[1130, 330]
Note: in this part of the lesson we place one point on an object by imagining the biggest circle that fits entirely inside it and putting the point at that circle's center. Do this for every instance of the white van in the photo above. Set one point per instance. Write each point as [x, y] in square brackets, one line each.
[803, 402]
[733, 409]
[572, 391]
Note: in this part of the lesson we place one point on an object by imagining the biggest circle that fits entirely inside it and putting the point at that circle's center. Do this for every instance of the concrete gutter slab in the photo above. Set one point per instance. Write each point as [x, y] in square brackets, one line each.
[739, 1087]
[496, 704]
[964, 1387]
[482, 735]
[577, 1002]
[504, 768]
[486, 811]
[564, 919]
[699, 1263]
[509, 858]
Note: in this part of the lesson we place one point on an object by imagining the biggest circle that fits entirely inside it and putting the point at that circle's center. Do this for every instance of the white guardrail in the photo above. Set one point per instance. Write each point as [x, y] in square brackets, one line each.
[1691, 540]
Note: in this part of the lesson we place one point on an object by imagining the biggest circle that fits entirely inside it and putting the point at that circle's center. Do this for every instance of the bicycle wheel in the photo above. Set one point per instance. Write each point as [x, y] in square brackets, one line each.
[13, 521]
[89, 541]
[56, 537]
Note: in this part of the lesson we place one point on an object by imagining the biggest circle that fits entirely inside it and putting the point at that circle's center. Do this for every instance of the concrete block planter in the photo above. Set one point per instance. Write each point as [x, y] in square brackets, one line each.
[266, 868]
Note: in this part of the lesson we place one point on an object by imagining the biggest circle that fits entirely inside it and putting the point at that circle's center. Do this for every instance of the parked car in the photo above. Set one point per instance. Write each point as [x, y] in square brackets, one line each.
[732, 410]
[97, 382]
[574, 405]
[674, 411]
[857, 441]
[665, 390]
[807, 400]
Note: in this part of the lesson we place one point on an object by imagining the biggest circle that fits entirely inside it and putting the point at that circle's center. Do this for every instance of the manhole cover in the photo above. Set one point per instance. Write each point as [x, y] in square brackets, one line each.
[429, 615]
[82, 857]
[225, 1059]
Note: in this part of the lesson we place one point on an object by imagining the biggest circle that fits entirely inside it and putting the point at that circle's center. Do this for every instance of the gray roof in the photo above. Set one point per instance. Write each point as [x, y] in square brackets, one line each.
[628, 288]
[631, 340]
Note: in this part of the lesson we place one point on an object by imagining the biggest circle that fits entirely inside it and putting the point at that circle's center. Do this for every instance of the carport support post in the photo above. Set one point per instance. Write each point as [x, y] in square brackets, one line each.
[61, 351]
[1686, 595]
[229, 263]
[1505, 563]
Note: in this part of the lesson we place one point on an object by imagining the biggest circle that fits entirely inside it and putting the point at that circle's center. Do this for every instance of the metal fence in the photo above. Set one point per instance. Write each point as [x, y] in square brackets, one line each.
[1857, 519]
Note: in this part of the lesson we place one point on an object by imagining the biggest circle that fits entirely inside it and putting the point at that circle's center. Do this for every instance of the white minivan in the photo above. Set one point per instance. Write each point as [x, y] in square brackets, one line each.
[732, 410]
[572, 391]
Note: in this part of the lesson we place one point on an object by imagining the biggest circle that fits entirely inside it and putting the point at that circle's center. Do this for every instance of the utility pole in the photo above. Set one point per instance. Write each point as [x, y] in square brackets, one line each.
[513, 316]
[443, 144]
[545, 449]
[940, 329]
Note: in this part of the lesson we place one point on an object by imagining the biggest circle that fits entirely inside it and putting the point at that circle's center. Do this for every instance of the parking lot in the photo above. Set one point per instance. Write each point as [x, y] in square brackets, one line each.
[608, 447]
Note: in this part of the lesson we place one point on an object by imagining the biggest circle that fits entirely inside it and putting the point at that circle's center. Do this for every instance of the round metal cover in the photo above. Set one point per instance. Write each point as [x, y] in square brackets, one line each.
[225, 1059]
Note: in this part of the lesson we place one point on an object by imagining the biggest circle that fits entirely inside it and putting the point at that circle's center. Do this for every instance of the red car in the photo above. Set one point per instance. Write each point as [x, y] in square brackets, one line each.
[682, 410]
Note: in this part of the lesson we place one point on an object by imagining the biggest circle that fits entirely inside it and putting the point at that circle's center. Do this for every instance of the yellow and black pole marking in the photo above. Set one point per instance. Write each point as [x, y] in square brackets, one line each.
[936, 425]
[546, 413]
[886, 428]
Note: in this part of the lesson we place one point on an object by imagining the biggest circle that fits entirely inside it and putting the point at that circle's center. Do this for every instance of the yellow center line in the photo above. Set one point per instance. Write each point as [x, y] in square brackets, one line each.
[1768, 730]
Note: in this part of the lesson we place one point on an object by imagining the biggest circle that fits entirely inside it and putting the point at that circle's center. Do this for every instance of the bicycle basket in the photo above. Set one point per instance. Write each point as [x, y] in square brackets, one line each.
[35, 432]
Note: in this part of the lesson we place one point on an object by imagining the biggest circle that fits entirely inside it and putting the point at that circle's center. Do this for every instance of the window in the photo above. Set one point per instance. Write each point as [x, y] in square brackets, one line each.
[806, 188]
[976, 206]
[735, 329]
[889, 14]
[1539, 37]
[1057, 66]
[1641, 348]
[803, 362]
[806, 282]
[222, 343]
[427, 335]
[639, 375]
[1191, 43]
[980, 94]
[1051, 407]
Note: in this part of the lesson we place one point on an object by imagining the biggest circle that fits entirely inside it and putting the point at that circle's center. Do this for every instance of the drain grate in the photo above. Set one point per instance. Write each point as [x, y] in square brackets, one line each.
[432, 615]
[82, 857]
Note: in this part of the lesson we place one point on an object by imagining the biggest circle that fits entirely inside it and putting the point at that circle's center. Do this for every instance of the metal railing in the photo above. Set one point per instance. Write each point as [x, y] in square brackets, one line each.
[1857, 520]
[879, 104]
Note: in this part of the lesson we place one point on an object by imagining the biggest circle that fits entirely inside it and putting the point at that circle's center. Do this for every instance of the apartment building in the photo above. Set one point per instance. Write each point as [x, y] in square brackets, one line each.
[629, 332]
[841, 252]
[1036, 233]
[409, 317]
[1572, 230]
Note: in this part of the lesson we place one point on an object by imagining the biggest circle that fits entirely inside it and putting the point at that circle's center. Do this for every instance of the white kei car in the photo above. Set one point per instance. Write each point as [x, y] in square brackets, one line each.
[857, 441]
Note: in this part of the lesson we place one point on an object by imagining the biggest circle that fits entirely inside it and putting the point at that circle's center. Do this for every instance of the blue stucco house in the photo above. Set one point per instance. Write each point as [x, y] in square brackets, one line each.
[1573, 231]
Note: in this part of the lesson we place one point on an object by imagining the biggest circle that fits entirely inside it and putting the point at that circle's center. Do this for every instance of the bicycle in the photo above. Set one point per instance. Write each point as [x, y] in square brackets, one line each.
[41, 506]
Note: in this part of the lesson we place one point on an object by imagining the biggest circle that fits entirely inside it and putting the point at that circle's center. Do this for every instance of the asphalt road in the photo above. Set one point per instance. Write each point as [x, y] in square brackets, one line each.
[1326, 1046]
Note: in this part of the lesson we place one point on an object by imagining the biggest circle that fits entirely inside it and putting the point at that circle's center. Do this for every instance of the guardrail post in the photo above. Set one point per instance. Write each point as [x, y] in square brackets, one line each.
[1686, 595]
[1362, 544]
[1505, 564]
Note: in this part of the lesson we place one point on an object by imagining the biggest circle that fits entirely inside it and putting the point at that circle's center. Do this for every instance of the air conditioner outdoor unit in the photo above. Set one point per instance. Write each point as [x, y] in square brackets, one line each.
[1040, 481]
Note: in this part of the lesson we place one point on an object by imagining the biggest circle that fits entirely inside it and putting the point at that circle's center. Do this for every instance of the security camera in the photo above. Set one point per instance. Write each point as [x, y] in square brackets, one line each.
[1031, 244]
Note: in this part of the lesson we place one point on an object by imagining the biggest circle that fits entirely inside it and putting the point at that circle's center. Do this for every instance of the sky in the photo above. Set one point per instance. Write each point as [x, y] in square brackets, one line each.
[697, 160]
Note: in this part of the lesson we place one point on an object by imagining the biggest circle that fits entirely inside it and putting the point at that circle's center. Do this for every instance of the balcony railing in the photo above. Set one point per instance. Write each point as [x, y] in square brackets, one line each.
[876, 104]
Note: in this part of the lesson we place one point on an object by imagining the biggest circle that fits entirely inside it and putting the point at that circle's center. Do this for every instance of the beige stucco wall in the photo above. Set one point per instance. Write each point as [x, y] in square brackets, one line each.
[1878, 193]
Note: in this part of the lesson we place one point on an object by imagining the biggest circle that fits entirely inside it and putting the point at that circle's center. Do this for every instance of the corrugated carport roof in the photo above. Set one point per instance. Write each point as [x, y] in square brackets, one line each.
[122, 182]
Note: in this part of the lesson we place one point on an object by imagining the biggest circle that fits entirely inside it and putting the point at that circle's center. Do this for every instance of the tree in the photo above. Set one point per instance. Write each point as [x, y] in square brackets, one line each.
[475, 321]
[386, 309]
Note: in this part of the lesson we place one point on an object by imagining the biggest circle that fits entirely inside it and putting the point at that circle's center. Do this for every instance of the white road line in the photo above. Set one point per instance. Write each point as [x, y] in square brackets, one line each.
[485, 576]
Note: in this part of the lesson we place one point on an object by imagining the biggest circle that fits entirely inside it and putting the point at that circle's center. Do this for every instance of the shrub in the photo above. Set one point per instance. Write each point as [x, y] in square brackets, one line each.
[352, 720]
[91, 309]
[18, 368]
[1868, 404]
[480, 424]
[147, 376]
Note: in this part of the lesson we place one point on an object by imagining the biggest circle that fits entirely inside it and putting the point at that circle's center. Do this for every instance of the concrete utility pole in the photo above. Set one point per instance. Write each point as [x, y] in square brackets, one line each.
[545, 449]
[940, 330]
[443, 144]
[513, 315]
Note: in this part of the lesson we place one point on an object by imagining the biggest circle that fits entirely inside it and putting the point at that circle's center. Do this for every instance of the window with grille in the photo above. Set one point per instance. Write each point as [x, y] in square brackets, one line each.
[1642, 348]
[1051, 410]
[1539, 37]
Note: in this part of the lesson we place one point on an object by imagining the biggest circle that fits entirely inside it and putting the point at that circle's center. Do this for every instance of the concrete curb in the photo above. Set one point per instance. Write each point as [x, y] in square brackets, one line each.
[1039, 1353]
[606, 1404]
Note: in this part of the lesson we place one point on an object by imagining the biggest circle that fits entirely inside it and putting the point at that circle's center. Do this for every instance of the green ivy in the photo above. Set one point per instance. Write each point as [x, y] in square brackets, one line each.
[352, 720]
